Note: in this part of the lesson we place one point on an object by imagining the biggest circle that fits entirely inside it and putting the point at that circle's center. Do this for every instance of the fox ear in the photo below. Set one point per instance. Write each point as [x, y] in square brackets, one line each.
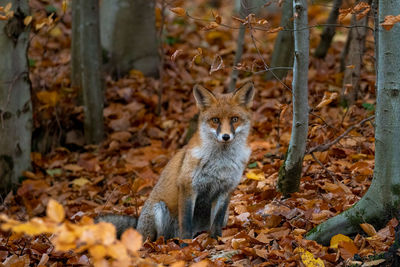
[204, 97]
[244, 95]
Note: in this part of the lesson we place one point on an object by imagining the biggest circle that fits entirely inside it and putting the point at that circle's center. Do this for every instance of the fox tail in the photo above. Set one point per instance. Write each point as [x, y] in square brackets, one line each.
[121, 222]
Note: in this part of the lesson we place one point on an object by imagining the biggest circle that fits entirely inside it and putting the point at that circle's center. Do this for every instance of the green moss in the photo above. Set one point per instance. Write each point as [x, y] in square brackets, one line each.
[289, 180]
[314, 230]
[396, 189]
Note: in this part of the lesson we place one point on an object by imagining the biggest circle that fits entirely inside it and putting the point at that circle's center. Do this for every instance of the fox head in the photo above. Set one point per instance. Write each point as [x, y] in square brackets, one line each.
[224, 118]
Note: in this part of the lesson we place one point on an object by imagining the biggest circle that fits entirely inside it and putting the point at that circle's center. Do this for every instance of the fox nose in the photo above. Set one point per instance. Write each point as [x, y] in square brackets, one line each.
[226, 137]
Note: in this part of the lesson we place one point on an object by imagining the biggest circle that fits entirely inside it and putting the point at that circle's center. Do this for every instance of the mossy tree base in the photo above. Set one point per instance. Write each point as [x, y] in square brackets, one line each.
[368, 209]
[289, 178]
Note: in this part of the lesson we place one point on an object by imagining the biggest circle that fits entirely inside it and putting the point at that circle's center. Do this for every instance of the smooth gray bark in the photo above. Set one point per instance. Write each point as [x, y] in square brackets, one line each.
[290, 171]
[282, 55]
[129, 36]
[382, 199]
[91, 66]
[245, 6]
[75, 46]
[15, 97]
[329, 31]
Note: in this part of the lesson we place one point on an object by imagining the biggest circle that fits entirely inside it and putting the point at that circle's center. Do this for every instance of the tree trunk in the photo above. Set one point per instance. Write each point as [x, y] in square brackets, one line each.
[329, 31]
[382, 199]
[15, 97]
[129, 36]
[290, 171]
[351, 80]
[245, 6]
[282, 55]
[75, 46]
[91, 65]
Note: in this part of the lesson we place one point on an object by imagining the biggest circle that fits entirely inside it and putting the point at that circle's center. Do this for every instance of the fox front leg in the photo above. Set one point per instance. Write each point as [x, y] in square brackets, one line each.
[187, 200]
[219, 215]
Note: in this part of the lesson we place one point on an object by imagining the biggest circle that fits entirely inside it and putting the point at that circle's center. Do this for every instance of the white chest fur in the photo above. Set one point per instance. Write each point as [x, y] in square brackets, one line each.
[221, 166]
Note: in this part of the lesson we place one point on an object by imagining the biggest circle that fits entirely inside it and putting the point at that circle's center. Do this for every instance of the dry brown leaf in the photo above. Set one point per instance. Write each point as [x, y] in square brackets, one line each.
[179, 11]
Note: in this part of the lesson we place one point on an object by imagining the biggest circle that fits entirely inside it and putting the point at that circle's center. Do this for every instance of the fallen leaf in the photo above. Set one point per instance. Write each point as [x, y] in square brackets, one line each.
[55, 211]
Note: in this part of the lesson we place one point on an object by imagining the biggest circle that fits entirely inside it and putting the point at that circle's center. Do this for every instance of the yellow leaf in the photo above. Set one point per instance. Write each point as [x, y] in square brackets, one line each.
[55, 32]
[7, 7]
[136, 73]
[48, 98]
[308, 258]
[335, 240]
[179, 11]
[132, 240]
[255, 176]
[55, 211]
[98, 252]
[117, 251]
[80, 181]
[27, 20]
[35, 227]
[64, 5]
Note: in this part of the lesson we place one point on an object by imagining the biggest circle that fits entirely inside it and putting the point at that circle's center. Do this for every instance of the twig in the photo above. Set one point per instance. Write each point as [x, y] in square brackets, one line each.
[262, 58]
[325, 147]
[323, 167]
[319, 117]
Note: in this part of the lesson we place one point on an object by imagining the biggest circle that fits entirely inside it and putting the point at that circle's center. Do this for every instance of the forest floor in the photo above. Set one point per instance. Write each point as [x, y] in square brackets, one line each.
[115, 177]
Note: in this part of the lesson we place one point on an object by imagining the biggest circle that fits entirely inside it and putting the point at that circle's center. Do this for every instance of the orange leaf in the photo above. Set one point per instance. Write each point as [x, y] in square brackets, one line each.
[210, 26]
[132, 240]
[48, 98]
[179, 11]
[347, 249]
[389, 21]
[335, 240]
[368, 229]
[55, 211]
[98, 252]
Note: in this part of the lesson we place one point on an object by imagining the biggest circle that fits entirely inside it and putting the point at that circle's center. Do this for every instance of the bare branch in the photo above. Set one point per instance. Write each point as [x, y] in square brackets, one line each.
[326, 146]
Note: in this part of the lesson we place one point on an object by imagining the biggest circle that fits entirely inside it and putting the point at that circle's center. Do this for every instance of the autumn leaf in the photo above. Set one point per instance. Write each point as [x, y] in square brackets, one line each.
[64, 6]
[327, 99]
[49, 98]
[389, 21]
[255, 176]
[335, 240]
[80, 181]
[27, 20]
[308, 258]
[55, 211]
[217, 64]
[176, 53]
[347, 249]
[132, 240]
[210, 26]
[179, 11]
[368, 229]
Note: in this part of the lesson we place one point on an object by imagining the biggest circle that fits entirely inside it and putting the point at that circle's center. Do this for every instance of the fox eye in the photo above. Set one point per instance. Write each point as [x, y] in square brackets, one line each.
[215, 120]
[234, 119]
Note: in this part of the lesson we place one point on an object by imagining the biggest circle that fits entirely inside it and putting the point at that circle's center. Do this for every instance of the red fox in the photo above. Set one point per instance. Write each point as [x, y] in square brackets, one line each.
[194, 189]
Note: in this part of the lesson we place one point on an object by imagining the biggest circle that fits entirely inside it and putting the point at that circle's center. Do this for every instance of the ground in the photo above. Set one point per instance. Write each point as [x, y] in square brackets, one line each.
[116, 176]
